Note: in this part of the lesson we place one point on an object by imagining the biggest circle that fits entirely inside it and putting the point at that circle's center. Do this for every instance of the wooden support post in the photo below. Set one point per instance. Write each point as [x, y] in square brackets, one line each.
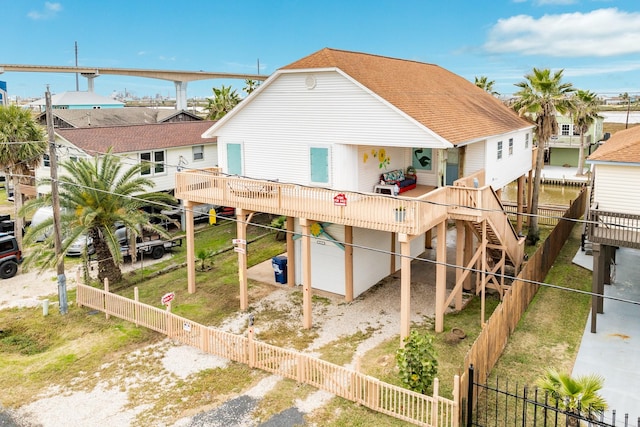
[520, 209]
[483, 269]
[306, 273]
[348, 263]
[405, 287]
[529, 196]
[441, 274]
[428, 238]
[191, 256]
[241, 232]
[460, 236]
[597, 282]
[392, 266]
[291, 253]
[468, 254]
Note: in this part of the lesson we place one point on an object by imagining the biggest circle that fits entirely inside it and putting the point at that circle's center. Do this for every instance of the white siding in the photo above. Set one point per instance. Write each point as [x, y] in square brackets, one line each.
[617, 188]
[499, 173]
[166, 181]
[475, 158]
[279, 125]
[369, 265]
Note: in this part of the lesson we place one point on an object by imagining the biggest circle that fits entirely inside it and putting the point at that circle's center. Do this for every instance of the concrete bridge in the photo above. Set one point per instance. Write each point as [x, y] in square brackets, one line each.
[179, 78]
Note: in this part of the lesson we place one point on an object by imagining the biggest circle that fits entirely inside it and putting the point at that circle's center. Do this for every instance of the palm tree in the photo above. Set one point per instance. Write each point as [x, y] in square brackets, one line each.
[577, 396]
[485, 84]
[95, 195]
[250, 85]
[541, 95]
[22, 147]
[223, 101]
[585, 113]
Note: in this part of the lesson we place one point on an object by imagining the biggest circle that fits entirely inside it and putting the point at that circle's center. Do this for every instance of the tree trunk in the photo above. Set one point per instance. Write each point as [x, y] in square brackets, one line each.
[533, 234]
[107, 268]
[581, 156]
[17, 201]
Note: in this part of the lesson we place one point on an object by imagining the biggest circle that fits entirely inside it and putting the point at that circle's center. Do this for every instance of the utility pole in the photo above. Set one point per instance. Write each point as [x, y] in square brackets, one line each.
[55, 199]
[77, 85]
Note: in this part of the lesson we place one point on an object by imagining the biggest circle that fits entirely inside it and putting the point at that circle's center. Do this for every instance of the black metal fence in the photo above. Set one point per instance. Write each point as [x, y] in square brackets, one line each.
[519, 405]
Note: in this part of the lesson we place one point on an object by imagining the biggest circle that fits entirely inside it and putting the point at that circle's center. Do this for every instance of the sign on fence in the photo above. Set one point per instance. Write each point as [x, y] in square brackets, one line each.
[167, 298]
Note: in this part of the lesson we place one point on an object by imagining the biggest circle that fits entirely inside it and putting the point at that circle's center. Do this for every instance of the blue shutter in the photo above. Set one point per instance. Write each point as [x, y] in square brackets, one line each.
[319, 164]
[234, 159]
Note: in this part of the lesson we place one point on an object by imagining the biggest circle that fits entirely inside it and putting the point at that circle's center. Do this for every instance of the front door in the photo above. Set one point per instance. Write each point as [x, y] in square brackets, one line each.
[451, 173]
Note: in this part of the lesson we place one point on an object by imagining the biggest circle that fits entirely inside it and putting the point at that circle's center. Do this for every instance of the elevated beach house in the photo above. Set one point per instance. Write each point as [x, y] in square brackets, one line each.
[366, 156]
[614, 212]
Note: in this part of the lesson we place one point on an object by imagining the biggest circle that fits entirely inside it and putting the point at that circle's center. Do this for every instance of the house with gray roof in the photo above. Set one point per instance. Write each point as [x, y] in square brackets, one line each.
[85, 117]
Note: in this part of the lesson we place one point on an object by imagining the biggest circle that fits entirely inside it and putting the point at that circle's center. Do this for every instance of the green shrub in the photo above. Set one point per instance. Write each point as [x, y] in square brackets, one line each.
[417, 362]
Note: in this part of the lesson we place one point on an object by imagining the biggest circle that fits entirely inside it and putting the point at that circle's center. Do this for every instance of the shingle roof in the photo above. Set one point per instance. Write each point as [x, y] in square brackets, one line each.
[126, 139]
[446, 103]
[623, 146]
[86, 117]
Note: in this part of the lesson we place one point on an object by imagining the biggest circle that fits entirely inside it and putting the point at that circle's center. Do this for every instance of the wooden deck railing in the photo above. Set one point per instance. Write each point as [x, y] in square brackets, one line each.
[476, 204]
[397, 402]
[614, 228]
[365, 210]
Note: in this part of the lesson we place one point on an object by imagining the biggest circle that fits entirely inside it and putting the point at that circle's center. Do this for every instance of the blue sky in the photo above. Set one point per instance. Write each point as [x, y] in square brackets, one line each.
[596, 42]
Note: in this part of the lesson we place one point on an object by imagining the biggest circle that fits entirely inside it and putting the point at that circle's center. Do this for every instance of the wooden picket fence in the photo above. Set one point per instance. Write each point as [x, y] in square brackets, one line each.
[397, 402]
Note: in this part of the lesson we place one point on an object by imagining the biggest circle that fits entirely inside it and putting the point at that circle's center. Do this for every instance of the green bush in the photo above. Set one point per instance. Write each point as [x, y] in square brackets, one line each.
[417, 362]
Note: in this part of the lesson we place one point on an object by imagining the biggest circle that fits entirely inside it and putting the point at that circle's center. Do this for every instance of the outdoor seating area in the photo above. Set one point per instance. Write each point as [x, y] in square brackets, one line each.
[397, 181]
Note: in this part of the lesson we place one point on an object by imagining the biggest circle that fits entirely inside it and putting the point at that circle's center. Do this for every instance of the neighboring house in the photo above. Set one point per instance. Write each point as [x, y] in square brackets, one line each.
[167, 147]
[81, 118]
[564, 148]
[614, 213]
[312, 143]
[76, 100]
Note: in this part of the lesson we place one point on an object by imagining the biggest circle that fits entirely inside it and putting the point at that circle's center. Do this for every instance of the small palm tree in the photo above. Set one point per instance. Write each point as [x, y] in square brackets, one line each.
[223, 101]
[577, 395]
[541, 95]
[95, 195]
[22, 147]
[250, 85]
[585, 113]
[485, 84]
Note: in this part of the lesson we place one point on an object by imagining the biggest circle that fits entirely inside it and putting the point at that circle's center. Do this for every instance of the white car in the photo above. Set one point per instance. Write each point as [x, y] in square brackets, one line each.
[78, 247]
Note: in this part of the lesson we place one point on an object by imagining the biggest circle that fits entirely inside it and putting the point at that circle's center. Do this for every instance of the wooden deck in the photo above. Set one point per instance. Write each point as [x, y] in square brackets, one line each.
[413, 212]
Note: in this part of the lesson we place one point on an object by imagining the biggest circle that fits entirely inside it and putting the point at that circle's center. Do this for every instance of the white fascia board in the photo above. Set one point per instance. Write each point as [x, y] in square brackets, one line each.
[610, 163]
[471, 141]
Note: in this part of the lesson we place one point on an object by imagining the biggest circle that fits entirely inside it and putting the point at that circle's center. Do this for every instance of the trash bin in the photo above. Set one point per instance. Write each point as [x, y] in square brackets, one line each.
[279, 264]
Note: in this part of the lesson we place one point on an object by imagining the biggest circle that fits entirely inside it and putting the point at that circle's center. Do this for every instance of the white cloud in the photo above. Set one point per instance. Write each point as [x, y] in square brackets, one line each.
[50, 10]
[167, 58]
[602, 32]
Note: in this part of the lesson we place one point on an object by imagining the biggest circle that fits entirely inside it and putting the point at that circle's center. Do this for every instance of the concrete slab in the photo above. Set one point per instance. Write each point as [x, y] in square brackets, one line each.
[613, 350]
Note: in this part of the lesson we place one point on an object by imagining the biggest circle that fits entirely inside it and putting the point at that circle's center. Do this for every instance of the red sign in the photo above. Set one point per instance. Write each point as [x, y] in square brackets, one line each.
[167, 298]
[340, 200]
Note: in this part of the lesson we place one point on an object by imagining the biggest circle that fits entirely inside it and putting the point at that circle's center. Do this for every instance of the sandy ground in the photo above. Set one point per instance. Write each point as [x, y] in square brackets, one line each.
[118, 401]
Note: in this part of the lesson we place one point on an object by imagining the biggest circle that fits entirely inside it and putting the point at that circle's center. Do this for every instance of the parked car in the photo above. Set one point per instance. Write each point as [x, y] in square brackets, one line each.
[80, 246]
[10, 256]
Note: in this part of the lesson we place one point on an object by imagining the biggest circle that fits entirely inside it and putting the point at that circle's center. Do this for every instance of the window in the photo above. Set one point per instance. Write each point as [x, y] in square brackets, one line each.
[198, 152]
[319, 158]
[234, 159]
[511, 146]
[152, 162]
[526, 140]
[46, 161]
[499, 150]
[565, 130]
